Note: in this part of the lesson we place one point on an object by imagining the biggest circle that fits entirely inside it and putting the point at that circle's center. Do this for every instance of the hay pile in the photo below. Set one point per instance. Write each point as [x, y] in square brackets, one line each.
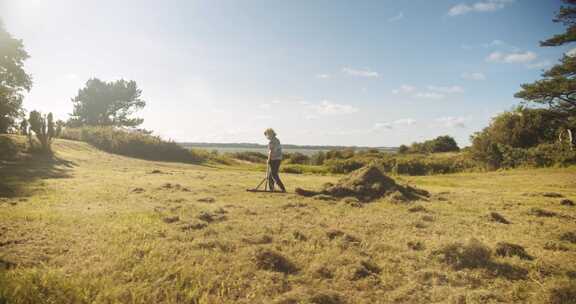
[368, 184]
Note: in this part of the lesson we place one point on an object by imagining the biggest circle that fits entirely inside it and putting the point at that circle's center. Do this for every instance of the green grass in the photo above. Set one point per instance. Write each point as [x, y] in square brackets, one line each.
[98, 231]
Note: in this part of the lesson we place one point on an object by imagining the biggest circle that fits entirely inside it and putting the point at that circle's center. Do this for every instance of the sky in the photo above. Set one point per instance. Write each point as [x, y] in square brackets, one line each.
[320, 72]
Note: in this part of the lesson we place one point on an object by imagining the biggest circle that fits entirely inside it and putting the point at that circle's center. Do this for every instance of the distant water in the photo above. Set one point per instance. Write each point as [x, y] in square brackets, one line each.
[263, 149]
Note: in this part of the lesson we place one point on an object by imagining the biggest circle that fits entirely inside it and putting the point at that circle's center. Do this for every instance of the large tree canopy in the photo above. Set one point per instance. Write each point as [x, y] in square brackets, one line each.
[103, 103]
[13, 79]
[557, 89]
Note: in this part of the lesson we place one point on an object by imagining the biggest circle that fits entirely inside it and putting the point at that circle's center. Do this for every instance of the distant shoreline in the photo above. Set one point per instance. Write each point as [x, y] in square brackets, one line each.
[253, 146]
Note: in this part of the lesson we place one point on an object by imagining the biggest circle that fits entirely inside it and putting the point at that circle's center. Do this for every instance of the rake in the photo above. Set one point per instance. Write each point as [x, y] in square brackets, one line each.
[265, 182]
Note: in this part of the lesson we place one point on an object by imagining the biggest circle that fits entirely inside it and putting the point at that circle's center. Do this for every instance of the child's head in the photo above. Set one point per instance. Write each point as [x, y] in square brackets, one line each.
[269, 133]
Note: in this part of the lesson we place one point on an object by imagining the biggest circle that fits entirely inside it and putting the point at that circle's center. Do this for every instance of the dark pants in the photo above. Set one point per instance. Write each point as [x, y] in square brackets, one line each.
[273, 176]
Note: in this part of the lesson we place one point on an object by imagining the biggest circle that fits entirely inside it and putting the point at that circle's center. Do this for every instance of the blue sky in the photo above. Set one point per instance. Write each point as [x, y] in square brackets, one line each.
[375, 73]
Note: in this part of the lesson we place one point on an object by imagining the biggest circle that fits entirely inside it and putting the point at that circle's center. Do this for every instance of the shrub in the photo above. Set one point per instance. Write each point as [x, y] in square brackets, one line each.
[343, 165]
[297, 158]
[249, 156]
[133, 144]
[318, 158]
[301, 169]
[340, 154]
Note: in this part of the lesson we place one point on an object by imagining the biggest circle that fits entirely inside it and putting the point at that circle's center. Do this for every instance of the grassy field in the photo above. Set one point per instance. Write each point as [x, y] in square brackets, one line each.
[91, 227]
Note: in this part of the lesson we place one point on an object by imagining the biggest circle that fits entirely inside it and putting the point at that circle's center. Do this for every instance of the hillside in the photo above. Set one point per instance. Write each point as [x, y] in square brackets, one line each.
[91, 227]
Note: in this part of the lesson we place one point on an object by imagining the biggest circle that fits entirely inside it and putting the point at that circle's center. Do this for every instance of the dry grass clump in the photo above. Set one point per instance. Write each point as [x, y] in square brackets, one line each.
[210, 217]
[427, 218]
[206, 200]
[563, 295]
[474, 254]
[171, 219]
[416, 245]
[542, 213]
[299, 236]
[138, 190]
[270, 260]
[544, 194]
[567, 202]
[555, 246]
[509, 250]
[367, 184]
[569, 237]
[193, 226]
[497, 217]
[171, 186]
[363, 269]
[258, 239]
[333, 234]
[552, 194]
[418, 208]
[311, 297]
[352, 202]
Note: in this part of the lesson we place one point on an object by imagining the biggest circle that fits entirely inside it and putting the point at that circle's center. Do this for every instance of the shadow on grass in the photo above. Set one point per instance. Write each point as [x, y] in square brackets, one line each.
[16, 176]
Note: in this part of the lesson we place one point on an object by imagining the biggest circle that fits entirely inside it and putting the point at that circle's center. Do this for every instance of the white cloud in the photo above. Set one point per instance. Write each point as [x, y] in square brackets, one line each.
[485, 6]
[405, 121]
[329, 108]
[431, 91]
[397, 18]
[263, 117]
[473, 76]
[493, 43]
[517, 57]
[268, 105]
[382, 125]
[489, 45]
[404, 89]
[396, 123]
[447, 90]
[323, 76]
[429, 95]
[539, 65]
[361, 72]
[452, 122]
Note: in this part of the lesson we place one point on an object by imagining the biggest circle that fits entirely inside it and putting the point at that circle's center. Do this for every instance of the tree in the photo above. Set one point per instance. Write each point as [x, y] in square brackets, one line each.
[524, 127]
[24, 127]
[43, 127]
[485, 150]
[403, 149]
[443, 144]
[103, 103]
[557, 89]
[59, 127]
[13, 79]
[439, 144]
